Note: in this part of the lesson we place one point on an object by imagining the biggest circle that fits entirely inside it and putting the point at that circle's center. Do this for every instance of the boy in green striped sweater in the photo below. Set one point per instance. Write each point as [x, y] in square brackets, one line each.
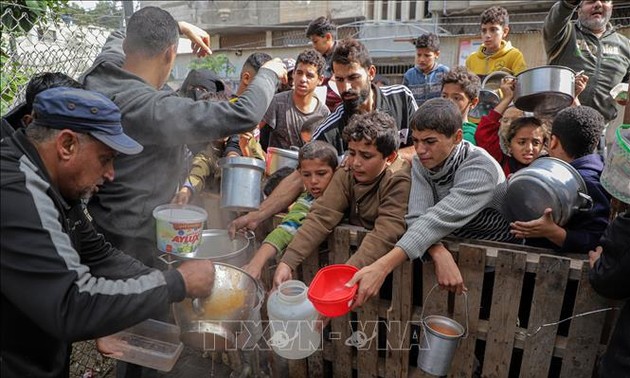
[317, 162]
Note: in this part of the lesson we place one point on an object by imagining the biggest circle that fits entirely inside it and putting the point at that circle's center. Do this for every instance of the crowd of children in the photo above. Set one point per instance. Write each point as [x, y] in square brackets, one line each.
[461, 164]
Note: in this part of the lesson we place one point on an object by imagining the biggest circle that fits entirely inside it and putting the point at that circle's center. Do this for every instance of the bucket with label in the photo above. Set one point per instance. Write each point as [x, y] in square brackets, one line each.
[440, 337]
[179, 228]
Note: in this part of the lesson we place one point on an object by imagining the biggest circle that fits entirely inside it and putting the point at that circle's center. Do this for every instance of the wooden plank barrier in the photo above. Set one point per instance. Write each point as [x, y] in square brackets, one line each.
[527, 291]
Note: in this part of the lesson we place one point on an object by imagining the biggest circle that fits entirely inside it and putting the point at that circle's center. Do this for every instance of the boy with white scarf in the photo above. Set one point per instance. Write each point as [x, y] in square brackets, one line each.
[456, 188]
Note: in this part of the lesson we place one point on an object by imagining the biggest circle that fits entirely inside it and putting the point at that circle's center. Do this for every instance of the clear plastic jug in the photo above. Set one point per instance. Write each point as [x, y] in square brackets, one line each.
[294, 333]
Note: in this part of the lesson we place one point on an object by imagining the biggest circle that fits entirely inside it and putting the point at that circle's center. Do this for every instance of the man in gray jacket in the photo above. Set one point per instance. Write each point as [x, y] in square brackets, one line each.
[590, 44]
[130, 71]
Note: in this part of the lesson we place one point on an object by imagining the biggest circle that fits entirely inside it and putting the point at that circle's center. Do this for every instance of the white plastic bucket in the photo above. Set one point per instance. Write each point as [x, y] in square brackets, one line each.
[179, 228]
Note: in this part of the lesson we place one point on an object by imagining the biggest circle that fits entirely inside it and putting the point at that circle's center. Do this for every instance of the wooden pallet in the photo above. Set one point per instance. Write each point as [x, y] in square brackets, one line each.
[558, 287]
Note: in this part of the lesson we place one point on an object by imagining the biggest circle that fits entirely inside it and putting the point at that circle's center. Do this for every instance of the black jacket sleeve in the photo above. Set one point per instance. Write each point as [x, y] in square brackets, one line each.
[609, 276]
[69, 294]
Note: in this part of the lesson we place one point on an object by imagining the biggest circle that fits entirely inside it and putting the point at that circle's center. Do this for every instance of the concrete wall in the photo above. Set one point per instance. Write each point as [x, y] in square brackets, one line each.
[387, 51]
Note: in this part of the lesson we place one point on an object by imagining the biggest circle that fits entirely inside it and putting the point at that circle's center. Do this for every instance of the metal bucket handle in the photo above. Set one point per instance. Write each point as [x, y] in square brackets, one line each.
[249, 235]
[424, 306]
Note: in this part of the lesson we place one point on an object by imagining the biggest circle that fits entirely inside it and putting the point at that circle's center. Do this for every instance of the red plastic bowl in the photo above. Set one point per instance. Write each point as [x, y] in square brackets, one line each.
[328, 291]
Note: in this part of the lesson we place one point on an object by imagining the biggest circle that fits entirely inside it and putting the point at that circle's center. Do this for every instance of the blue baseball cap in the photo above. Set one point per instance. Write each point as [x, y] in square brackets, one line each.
[85, 112]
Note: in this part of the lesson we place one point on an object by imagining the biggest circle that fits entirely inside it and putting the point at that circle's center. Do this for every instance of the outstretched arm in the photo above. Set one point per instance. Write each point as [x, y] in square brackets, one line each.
[199, 38]
[284, 195]
[557, 27]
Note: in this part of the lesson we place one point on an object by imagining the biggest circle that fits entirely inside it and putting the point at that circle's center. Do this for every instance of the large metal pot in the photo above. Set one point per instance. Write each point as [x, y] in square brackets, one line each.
[544, 89]
[218, 246]
[546, 183]
[488, 100]
[240, 183]
[213, 323]
[278, 158]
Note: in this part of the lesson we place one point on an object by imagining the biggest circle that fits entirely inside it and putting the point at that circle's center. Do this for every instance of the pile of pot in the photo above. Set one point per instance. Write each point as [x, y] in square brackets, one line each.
[230, 317]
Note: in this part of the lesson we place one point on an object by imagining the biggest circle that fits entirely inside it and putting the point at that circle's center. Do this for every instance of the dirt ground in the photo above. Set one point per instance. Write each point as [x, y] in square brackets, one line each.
[86, 362]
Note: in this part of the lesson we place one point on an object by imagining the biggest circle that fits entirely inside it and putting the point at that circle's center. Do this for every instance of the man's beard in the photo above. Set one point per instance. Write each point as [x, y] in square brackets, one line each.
[592, 24]
[353, 105]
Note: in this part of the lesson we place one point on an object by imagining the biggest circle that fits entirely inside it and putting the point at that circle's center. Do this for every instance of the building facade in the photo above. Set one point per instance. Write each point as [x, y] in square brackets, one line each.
[386, 27]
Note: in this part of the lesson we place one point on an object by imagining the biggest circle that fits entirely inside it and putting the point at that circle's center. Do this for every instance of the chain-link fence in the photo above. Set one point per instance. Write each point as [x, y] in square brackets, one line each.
[43, 40]
[33, 41]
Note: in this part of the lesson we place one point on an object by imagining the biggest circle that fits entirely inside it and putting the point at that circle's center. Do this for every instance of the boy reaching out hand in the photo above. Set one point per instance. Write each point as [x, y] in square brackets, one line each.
[317, 162]
[372, 194]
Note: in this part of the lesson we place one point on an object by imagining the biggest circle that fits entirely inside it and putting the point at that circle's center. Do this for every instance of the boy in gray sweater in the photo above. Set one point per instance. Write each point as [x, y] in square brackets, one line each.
[456, 188]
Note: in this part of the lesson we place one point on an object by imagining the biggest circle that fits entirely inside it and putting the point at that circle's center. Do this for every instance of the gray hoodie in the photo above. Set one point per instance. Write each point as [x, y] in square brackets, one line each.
[605, 60]
[163, 123]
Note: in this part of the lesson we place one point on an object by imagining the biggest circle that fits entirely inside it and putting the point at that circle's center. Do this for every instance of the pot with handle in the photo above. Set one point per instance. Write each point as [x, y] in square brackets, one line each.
[278, 158]
[440, 338]
[214, 322]
[240, 183]
[546, 183]
[545, 89]
[218, 246]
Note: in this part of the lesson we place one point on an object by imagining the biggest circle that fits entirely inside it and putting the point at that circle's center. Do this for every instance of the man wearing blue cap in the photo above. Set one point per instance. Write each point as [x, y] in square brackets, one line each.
[61, 281]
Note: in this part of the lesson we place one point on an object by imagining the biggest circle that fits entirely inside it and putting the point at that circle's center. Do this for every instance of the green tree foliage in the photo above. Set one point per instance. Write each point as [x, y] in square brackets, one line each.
[219, 64]
[18, 18]
[107, 14]
[22, 15]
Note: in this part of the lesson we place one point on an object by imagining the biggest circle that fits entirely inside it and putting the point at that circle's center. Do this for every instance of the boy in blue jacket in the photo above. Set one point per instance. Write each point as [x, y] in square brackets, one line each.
[574, 137]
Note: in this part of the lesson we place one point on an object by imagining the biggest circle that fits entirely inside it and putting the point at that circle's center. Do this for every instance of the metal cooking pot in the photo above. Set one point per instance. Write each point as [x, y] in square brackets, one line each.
[546, 183]
[545, 89]
[218, 246]
[278, 158]
[492, 81]
[213, 323]
[488, 100]
[240, 183]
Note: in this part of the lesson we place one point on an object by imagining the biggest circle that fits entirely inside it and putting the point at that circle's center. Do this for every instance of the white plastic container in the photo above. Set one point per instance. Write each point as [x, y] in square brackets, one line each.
[179, 228]
[152, 343]
[293, 322]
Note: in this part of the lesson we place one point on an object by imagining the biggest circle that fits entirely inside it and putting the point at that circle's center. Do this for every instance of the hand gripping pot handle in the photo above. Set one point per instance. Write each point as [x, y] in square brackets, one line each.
[466, 309]
[249, 234]
[586, 202]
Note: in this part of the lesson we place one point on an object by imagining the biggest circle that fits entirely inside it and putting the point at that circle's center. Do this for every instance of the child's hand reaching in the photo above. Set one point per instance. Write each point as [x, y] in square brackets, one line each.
[593, 256]
[508, 84]
[580, 83]
[283, 273]
[182, 197]
[543, 227]
[243, 143]
[447, 272]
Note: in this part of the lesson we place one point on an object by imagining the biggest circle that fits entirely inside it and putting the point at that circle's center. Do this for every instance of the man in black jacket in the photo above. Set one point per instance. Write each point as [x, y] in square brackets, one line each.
[61, 281]
[610, 266]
